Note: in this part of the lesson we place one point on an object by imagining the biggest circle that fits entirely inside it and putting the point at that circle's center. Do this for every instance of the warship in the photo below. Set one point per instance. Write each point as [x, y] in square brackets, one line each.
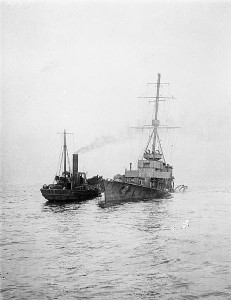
[69, 186]
[153, 178]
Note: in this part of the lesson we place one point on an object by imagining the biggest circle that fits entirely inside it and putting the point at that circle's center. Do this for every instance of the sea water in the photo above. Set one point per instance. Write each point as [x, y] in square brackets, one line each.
[179, 248]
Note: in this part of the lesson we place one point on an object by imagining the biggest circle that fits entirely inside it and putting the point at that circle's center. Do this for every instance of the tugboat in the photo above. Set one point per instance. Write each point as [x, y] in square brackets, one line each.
[69, 186]
[153, 178]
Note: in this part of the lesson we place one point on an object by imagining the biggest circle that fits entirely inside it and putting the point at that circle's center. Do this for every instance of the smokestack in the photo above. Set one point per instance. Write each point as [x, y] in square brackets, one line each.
[75, 164]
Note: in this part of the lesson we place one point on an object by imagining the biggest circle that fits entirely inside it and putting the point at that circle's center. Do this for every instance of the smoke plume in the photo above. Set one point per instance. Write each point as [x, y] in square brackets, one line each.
[103, 141]
[98, 143]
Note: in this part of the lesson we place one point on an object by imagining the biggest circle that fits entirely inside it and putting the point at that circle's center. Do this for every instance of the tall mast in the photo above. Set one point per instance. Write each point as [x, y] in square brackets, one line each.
[64, 152]
[155, 122]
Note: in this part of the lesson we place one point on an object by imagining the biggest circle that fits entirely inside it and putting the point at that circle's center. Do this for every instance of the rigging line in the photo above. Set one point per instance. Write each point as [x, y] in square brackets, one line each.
[150, 137]
[60, 153]
[68, 161]
[140, 142]
[148, 112]
[60, 163]
[161, 147]
[143, 150]
[151, 107]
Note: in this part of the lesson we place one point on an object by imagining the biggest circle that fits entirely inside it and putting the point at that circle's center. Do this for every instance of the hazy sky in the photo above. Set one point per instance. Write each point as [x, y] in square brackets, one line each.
[80, 65]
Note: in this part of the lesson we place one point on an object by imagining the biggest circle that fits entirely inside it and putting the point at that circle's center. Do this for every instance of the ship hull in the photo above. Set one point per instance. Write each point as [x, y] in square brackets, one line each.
[116, 192]
[54, 195]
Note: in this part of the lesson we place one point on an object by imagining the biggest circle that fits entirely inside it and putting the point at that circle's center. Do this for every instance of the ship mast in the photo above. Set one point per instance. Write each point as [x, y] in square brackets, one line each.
[65, 153]
[156, 122]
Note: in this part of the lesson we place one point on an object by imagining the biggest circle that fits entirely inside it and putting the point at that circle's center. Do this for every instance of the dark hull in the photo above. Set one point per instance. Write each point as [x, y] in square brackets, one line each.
[68, 195]
[116, 192]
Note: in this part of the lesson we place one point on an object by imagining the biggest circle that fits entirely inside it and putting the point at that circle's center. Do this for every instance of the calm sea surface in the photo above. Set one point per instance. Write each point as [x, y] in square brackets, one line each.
[131, 251]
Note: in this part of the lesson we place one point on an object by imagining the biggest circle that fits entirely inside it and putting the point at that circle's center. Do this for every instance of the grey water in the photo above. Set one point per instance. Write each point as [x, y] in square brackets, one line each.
[179, 248]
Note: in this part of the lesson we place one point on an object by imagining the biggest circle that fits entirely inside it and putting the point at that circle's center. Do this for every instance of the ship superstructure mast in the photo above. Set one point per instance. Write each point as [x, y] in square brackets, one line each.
[156, 122]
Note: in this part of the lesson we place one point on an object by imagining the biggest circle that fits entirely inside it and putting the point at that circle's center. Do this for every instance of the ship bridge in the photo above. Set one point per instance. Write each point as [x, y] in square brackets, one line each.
[150, 169]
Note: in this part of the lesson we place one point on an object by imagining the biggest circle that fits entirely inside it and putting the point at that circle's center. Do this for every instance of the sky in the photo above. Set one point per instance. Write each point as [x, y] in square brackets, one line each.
[81, 66]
